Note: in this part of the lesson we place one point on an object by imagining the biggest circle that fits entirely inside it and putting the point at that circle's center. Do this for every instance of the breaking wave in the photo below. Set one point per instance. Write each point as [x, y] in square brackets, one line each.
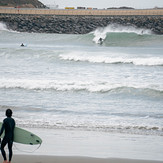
[101, 87]
[113, 35]
[119, 29]
[108, 59]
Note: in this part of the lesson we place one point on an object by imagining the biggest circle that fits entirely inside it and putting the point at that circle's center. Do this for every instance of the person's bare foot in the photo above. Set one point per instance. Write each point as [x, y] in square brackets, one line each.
[5, 161]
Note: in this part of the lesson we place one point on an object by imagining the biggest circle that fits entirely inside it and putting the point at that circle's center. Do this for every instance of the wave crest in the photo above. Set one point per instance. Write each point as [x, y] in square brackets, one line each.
[150, 61]
[94, 86]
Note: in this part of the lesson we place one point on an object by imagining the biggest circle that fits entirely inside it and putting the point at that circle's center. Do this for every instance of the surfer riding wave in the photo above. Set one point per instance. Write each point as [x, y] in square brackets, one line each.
[100, 41]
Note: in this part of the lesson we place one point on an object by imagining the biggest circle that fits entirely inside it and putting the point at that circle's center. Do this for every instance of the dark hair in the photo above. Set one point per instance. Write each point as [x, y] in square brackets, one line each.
[8, 112]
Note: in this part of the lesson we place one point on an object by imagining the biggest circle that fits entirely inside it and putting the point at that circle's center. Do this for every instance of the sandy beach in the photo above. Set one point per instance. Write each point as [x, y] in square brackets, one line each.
[72, 159]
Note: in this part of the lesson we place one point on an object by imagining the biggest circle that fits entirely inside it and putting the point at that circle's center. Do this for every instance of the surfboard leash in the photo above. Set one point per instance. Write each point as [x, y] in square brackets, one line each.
[26, 151]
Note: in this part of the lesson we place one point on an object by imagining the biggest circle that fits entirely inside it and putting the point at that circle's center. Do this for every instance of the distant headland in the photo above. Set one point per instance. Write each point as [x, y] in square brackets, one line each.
[22, 4]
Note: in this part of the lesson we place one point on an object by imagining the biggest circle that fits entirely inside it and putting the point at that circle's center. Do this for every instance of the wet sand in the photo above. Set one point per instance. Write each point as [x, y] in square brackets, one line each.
[73, 159]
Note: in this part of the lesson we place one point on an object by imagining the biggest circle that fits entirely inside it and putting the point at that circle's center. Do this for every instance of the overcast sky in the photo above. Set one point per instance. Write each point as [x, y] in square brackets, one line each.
[140, 4]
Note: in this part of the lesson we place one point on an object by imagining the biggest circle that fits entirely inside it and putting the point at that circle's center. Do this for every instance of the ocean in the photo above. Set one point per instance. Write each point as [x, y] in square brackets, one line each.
[70, 82]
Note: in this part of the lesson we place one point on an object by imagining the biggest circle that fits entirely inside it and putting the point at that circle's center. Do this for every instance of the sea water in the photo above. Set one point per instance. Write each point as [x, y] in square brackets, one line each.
[70, 82]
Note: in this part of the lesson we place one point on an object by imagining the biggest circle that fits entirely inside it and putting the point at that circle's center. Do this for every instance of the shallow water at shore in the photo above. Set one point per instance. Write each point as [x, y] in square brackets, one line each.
[94, 144]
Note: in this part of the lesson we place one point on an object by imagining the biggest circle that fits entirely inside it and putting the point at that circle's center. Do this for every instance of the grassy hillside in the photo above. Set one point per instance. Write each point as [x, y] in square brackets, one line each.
[22, 3]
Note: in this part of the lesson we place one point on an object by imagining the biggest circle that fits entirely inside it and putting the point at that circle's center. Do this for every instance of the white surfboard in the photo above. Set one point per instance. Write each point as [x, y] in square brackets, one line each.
[24, 137]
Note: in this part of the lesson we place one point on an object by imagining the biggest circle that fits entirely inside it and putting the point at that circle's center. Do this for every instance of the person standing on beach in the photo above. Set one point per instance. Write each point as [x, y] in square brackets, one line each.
[7, 126]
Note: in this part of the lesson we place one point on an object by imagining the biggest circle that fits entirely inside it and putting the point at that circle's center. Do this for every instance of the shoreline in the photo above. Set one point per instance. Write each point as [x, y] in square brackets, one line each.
[73, 159]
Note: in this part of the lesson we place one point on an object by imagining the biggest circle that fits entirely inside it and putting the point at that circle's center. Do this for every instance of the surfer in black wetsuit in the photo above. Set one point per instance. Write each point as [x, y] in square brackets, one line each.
[7, 126]
[100, 41]
[22, 44]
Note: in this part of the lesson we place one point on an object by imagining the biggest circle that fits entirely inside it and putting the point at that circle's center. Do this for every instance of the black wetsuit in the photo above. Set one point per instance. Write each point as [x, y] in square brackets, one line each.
[7, 126]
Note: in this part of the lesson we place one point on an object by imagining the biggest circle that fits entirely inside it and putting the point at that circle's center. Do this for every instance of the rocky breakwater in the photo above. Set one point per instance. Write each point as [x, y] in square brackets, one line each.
[77, 24]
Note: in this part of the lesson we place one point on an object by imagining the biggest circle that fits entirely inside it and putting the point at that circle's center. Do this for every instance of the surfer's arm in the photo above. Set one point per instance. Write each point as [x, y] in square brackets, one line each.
[13, 129]
[2, 129]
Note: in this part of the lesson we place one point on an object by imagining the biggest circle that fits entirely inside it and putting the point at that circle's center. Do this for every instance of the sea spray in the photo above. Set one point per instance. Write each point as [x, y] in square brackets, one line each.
[3, 27]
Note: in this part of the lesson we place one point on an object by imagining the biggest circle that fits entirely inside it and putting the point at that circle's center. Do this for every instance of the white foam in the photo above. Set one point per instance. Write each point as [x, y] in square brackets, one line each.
[91, 122]
[74, 85]
[3, 27]
[110, 59]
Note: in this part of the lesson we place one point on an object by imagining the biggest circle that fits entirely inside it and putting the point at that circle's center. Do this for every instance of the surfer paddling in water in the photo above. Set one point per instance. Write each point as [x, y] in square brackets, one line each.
[7, 126]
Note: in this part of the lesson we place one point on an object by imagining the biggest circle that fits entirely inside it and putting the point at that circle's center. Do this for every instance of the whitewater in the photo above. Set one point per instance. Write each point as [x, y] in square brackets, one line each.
[72, 83]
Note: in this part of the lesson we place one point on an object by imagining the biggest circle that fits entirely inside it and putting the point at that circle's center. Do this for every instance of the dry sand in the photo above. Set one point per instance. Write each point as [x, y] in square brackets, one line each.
[72, 159]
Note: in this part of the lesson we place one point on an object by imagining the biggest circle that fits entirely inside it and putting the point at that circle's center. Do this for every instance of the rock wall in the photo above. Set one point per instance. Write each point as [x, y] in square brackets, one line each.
[77, 24]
